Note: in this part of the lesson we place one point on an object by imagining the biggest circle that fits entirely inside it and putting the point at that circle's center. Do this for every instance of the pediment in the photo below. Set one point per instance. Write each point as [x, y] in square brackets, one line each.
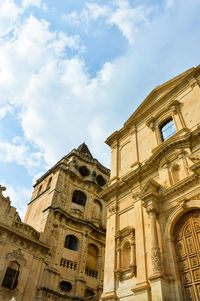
[194, 157]
[179, 141]
[125, 232]
[157, 94]
[151, 187]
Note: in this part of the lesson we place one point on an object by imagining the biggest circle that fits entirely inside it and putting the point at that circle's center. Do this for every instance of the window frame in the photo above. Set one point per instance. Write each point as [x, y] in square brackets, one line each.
[74, 247]
[162, 128]
[79, 197]
[10, 279]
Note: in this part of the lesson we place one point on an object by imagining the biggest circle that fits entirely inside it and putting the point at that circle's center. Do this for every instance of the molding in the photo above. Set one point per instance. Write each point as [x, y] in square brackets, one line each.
[24, 236]
[142, 286]
[182, 139]
[111, 296]
[68, 217]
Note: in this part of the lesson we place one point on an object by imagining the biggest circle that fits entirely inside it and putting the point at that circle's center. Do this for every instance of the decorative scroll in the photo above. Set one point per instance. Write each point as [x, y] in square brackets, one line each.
[16, 255]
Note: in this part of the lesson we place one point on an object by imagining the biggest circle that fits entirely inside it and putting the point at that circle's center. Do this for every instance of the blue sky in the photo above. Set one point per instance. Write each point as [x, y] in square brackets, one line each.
[74, 71]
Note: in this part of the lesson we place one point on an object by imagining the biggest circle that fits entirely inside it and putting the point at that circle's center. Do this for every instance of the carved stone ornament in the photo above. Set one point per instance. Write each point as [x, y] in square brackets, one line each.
[151, 124]
[113, 209]
[2, 188]
[16, 255]
[175, 106]
[156, 260]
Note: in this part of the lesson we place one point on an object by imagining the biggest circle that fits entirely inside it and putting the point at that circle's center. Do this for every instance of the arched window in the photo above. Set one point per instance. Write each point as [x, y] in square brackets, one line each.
[71, 242]
[11, 275]
[84, 171]
[79, 197]
[89, 294]
[92, 257]
[167, 129]
[126, 255]
[65, 286]
[100, 180]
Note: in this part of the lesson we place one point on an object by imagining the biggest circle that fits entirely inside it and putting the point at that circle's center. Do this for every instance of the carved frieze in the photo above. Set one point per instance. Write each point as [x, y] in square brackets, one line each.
[156, 260]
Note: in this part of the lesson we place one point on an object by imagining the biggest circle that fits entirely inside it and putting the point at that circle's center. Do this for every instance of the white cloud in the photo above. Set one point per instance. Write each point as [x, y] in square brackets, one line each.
[96, 11]
[19, 196]
[27, 3]
[19, 152]
[9, 14]
[60, 104]
[4, 110]
[118, 12]
[128, 19]
[73, 18]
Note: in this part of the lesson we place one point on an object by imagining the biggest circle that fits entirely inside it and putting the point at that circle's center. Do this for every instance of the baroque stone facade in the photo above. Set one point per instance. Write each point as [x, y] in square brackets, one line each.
[57, 253]
[153, 198]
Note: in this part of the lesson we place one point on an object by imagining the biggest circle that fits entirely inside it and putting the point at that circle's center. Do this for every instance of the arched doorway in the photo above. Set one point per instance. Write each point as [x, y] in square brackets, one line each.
[187, 245]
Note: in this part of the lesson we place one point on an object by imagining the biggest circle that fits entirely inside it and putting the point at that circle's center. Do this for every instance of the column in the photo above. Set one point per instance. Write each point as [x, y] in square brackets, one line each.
[155, 250]
[118, 260]
[110, 256]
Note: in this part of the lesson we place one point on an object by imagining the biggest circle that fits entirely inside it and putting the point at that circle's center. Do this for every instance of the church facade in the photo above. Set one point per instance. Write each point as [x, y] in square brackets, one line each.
[57, 253]
[153, 198]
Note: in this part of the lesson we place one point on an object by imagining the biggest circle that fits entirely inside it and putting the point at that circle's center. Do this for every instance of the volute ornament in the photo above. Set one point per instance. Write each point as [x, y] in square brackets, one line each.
[16, 255]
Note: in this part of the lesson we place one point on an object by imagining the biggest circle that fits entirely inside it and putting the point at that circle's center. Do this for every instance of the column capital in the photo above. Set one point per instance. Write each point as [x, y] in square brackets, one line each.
[152, 211]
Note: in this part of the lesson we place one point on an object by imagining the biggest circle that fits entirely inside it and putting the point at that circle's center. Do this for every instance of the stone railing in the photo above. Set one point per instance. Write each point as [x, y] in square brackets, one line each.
[91, 273]
[68, 264]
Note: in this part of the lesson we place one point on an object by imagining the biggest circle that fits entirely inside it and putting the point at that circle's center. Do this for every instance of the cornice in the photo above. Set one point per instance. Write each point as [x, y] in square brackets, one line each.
[182, 139]
[22, 235]
[69, 217]
[179, 185]
[88, 159]
[62, 164]
[179, 140]
[51, 292]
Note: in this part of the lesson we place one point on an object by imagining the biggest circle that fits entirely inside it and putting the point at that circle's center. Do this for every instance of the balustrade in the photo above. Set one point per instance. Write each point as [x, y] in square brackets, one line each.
[68, 264]
[91, 273]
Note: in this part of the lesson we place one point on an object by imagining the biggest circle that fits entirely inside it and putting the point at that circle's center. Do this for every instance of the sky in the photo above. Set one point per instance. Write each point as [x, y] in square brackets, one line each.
[73, 71]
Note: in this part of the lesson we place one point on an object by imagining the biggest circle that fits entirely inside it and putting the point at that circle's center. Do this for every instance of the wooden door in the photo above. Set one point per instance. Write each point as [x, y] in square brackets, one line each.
[187, 245]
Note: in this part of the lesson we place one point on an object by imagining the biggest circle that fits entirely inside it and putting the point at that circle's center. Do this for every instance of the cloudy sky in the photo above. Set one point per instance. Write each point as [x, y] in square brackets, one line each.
[75, 70]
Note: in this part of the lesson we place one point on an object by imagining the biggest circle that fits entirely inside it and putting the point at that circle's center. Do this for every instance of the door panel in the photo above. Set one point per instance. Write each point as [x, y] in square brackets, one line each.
[187, 245]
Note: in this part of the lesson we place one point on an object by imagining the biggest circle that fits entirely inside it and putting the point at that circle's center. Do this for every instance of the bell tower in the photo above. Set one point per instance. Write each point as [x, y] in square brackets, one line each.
[67, 209]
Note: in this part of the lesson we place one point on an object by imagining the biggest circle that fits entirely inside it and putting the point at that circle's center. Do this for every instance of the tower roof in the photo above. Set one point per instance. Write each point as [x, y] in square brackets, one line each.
[84, 150]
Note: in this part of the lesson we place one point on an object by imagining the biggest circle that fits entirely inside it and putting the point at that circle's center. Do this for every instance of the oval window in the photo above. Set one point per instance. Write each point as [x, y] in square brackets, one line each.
[100, 180]
[84, 171]
[65, 286]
